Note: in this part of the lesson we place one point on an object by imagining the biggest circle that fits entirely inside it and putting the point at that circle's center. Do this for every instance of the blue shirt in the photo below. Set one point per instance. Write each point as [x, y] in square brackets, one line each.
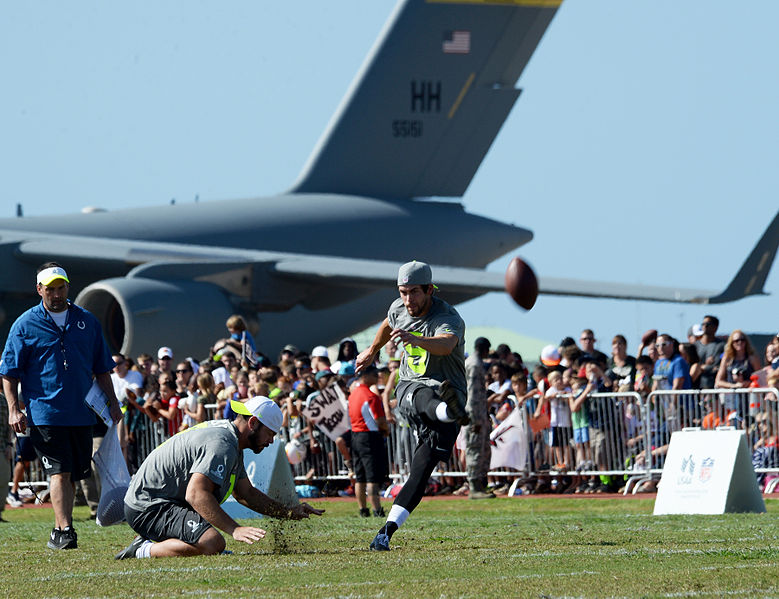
[37, 352]
[249, 339]
[675, 368]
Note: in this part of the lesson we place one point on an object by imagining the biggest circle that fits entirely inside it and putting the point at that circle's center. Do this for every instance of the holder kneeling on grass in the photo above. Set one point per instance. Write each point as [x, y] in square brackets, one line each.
[173, 502]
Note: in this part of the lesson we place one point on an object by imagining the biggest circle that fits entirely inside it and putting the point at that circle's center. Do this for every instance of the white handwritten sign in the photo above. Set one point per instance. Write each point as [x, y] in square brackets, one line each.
[329, 411]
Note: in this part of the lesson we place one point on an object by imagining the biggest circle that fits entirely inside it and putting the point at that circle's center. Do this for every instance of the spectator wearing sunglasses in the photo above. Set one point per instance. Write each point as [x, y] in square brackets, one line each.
[739, 361]
[671, 371]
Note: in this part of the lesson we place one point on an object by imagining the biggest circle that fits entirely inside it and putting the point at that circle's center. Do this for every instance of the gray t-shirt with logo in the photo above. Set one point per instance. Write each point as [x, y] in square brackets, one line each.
[210, 449]
[418, 365]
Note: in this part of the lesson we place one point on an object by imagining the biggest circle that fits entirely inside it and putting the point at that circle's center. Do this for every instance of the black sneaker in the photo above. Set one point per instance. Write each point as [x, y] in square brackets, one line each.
[365, 512]
[63, 539]
[379, 513]
[448, 395]
[129, 551]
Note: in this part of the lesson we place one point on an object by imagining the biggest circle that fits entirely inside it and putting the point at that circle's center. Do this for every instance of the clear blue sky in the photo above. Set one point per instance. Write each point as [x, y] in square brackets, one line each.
[643, 148]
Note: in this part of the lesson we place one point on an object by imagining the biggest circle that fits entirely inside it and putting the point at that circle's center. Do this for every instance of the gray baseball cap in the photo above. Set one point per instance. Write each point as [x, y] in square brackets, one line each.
[415, 273]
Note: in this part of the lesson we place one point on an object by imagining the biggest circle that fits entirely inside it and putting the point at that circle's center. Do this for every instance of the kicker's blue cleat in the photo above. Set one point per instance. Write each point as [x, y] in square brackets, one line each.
[380, 542]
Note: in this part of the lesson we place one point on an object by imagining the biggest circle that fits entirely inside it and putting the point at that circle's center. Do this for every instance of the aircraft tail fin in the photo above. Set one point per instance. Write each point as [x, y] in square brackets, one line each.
[752, 275]
[429, 100]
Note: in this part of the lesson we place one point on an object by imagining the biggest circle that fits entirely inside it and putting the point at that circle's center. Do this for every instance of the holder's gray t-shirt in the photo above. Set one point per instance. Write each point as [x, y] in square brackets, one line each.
[210, 449]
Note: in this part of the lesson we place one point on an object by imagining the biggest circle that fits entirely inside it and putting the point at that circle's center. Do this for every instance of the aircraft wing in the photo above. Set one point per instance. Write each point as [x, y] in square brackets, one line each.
[279, 280]
[147, 293]
[160, 260]
[157, 260]
[749, 280]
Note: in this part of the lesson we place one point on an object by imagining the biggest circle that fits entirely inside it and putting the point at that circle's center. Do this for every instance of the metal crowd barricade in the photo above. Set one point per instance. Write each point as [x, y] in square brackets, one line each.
[328, 463]
[617, 434]
[629, 436]
[742, 409]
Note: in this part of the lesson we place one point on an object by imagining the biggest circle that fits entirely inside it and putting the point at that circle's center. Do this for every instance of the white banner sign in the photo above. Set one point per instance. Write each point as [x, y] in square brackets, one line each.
[329, 411]
[509, 442]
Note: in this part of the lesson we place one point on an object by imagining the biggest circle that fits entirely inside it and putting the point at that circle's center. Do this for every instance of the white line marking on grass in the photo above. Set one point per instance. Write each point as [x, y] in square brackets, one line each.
[720, 593]
[622, 551]
[455, 579]
[737, 567]
[122, 573]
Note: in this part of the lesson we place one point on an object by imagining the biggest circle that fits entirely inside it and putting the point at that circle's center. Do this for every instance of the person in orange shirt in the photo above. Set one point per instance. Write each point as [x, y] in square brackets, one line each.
[369, 454]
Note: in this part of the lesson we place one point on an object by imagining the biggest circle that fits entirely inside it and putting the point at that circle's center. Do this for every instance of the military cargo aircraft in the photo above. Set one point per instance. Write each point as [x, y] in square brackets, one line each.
[415, 124]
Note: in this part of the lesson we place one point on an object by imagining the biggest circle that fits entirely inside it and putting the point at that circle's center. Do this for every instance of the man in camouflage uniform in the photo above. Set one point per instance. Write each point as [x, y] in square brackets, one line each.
[477, 433]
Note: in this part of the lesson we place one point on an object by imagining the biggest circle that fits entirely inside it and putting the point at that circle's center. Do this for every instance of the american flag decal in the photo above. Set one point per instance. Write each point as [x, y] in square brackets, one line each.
[457, 42]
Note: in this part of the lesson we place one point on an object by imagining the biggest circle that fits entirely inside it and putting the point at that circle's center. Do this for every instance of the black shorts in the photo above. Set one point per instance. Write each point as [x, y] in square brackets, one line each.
[561, 436]
[168, 520]
[64, 449]
[439, 436]
[25, 452]
[369, 457]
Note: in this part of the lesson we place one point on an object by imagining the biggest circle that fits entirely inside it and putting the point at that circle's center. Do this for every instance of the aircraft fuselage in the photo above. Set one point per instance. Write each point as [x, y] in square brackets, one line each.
[319, 224]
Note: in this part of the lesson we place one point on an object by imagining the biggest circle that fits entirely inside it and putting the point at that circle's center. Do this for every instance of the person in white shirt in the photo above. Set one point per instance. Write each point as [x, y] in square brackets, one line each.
[128, 385]
[560, 417]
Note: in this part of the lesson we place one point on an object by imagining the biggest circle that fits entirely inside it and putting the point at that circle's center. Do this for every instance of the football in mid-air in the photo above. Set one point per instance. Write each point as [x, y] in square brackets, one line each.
[521, 283]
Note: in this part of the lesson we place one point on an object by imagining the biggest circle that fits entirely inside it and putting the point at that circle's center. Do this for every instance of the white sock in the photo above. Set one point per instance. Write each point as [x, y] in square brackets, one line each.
[397, 515]
[144, 550]
[442, 413]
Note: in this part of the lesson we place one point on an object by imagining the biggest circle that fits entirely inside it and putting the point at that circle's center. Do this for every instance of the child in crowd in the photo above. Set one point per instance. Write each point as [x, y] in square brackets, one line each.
[206, 395]
[188, 405]
[528, 400]
[580, 420]
[644, 371]
[521, 395]
[167, 406]
[241, 338]
[559, 418]
[539, 422]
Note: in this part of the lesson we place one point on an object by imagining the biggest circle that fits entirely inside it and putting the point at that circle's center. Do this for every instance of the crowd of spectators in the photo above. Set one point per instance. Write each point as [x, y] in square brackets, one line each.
[576, 427]
[569, 431]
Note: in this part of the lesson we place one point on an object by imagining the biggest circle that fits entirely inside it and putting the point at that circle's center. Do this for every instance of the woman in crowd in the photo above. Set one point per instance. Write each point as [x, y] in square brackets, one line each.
[738, 362]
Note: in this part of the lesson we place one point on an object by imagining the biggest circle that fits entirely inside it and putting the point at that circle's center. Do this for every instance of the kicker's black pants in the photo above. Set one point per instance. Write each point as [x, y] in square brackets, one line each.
[435, 440]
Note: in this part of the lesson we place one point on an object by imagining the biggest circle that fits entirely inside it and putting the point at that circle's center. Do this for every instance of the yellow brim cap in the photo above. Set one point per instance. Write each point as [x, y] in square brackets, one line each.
[263, 409]
[47, 275]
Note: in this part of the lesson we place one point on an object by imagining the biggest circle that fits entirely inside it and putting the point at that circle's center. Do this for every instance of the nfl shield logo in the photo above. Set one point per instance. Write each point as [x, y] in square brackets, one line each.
[707, 466]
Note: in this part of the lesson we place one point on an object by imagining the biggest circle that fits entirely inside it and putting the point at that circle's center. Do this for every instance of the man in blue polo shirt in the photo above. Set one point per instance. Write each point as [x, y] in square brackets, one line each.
[54, 350]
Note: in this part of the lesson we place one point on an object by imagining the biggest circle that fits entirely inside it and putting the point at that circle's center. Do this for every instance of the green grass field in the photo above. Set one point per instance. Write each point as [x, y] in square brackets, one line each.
[522, 547]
